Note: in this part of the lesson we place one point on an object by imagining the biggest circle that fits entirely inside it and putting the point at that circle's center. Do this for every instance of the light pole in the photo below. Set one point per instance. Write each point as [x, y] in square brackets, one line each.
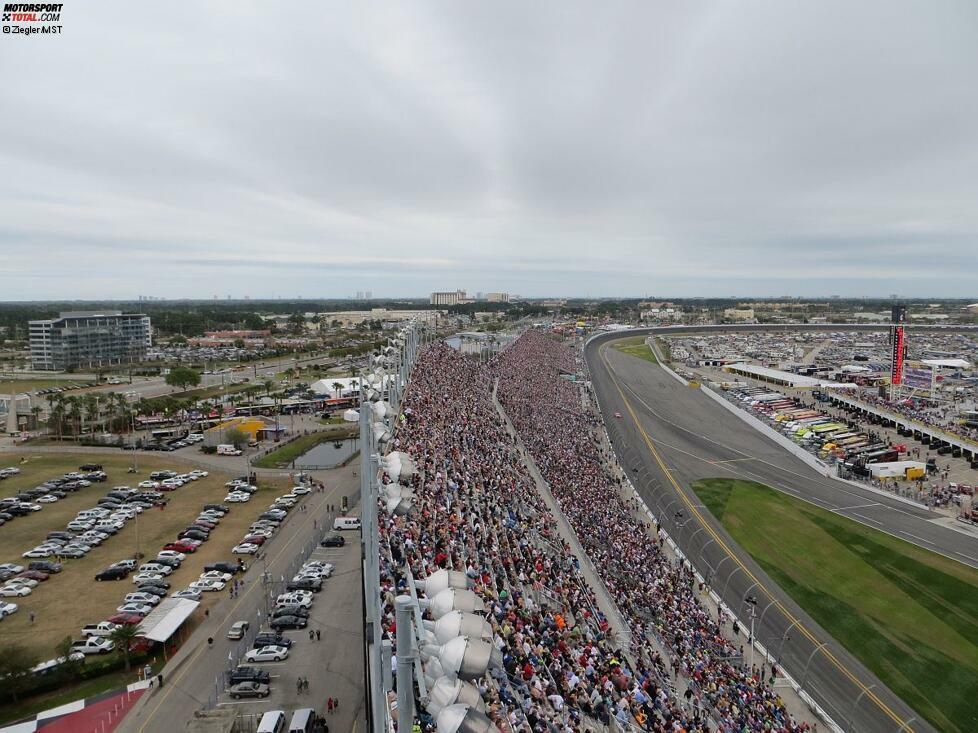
[752, 602]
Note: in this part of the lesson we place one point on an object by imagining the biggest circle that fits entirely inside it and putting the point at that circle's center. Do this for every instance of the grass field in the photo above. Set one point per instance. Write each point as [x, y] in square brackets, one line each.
[909, 615]
[636, 347]
[10, 386]
[69, 600]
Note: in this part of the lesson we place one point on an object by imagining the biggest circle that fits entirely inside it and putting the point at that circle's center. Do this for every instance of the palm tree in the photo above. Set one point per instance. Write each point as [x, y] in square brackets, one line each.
[123, 638]
[36, 411]
[92, 411]
[338, 388]
[267, 385]
[74, 415]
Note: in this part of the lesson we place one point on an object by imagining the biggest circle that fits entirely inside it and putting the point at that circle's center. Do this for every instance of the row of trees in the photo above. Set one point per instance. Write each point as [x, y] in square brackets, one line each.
[75, 415]
[16, 662]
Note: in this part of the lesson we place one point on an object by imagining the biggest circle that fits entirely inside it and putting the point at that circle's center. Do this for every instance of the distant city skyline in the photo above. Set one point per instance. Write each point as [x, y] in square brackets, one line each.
[547, 150]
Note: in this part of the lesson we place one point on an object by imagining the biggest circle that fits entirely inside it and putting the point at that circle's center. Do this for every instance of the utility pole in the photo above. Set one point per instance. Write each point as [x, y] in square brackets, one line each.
[752, 602]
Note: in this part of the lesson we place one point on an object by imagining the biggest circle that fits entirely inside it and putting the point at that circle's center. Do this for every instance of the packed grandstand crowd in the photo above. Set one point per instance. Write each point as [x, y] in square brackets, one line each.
[477, 510]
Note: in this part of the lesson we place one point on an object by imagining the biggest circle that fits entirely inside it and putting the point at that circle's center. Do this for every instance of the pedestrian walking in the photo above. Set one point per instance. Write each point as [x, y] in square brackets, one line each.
[318, 634]
[32, 617]
[329, 705]
[312, 634]
[305, 684]
[298, 686]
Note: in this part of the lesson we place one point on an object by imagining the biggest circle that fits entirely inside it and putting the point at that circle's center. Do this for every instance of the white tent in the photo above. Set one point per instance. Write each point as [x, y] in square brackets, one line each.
[166, 618]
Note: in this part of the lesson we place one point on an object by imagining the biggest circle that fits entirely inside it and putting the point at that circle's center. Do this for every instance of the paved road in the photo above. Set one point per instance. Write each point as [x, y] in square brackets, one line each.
[190, 677]
[673, 435]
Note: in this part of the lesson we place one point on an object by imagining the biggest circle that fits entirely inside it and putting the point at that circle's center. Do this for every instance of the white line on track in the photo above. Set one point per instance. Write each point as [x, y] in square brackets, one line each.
[866, 519]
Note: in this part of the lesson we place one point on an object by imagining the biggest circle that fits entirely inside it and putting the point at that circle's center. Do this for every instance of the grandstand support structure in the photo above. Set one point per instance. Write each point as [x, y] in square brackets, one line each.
[396, 359]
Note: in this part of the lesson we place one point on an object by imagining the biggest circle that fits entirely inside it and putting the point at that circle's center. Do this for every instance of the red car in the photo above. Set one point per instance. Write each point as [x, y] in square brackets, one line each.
[130, 619]
[34, 575]
[205, 524]
[255, 539]
[181, 547]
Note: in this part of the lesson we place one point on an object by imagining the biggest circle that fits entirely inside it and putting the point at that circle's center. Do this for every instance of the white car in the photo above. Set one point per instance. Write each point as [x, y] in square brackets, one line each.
[15, 590]
[267, 654]
[29, 582]
[198, 473]
[7, 608]
[149, 484]
[172, 555]
[286, 500]
[142, 609]
[144, 577]
[150, 599]
[171, 483]
[191, 593]
[208, 585]
[39, 552]
[317, 571]
[295, 598]
[79, 525]
[12, 567]
[246, 548]
[154, 567]
[300, 490]
[215, 575]
[237, 498]
[32, 507]
[46, 499]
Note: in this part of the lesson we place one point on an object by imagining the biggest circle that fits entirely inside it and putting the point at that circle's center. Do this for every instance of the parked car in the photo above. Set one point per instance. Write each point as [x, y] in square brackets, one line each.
[267, 654]
[102, 628]
[93, 645]
[334, 540]
[284, 623]
[208, 585]
[248, 674]
[112, 573]
[224, 567]
[191, 593]
[244, 549]
[248, 689]
[142, 609]
[268, 638]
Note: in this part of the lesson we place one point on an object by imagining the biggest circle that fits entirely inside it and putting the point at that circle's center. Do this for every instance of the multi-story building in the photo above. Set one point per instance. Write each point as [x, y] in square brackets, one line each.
[497, 297]
[449, 298]
[87, 339]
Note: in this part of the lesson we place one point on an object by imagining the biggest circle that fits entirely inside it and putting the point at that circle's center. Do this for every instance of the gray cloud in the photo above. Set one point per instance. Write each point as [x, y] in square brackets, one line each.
[317, 149]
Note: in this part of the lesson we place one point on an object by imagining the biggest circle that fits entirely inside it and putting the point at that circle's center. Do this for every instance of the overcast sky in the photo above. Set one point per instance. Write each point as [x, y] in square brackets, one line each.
[549, 148]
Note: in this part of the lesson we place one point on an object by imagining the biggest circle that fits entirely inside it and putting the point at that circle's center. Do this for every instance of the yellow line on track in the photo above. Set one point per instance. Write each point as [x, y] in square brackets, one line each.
[821, 648]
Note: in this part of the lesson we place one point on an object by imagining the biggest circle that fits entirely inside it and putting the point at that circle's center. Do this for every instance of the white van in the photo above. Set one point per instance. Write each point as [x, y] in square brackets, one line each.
[227, 450]
[346, 523]
[303, 720]
[272, 722]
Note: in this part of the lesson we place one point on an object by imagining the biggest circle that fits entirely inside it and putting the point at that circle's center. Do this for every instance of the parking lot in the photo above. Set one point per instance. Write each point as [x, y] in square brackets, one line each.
[66, 601]
[323, 657]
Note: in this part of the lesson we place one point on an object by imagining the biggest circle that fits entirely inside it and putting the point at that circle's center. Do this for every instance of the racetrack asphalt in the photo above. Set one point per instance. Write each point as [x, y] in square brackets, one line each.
[670, 435]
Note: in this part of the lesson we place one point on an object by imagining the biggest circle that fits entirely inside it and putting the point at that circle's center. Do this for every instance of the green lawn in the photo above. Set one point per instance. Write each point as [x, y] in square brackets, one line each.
[284, 456]
[908, 614]
[636, 347]
[10, 386]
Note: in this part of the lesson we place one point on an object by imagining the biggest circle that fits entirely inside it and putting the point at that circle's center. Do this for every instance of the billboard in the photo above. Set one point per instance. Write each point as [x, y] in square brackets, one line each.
[896, 361]
[918, 378]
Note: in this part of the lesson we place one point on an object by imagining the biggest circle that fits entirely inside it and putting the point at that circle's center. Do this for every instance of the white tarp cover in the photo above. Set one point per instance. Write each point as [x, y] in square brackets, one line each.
[166, 618]
[949, 363]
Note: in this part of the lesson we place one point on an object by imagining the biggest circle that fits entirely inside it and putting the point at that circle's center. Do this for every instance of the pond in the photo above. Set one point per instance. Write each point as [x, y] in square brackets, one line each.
[327, 455]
